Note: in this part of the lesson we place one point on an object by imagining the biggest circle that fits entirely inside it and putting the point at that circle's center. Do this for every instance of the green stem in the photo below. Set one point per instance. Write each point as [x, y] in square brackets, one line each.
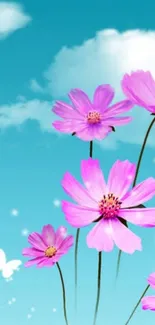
[77, 239]
[134, 182]
[75, 261]
[63, 293]
[98, 286]
[143, 294]
[142, 151]
[91, 149]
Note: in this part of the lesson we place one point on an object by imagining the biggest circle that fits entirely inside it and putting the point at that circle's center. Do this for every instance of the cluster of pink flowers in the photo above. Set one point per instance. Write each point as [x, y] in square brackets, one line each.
[110, 205]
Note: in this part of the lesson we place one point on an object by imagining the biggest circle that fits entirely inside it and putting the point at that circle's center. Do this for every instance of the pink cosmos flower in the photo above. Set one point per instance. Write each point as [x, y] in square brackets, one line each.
[139, 87]
[47, 247]
[91, 120]
[148, 302]
[108, 204]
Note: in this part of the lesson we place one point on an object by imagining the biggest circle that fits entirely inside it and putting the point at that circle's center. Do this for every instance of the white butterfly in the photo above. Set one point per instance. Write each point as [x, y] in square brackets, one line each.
[8, 268]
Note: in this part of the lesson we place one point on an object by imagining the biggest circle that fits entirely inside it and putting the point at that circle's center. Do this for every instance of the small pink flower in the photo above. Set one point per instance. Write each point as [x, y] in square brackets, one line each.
[139, 87]
[91, 120]
[148, 302]
[47, 247]
[108, 204]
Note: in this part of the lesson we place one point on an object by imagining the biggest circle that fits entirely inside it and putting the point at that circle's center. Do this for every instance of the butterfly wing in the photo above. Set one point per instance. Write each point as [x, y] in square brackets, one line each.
[2, 259]
[10, 267]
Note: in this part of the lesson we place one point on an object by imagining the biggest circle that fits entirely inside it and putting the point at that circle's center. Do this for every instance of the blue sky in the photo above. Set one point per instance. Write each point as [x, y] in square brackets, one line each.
[46, 49]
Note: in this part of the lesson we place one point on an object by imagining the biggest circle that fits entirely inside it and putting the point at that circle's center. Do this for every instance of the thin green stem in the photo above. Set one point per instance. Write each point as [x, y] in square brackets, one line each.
[98, 286]
[91, 149]
[134, 182]
[143, 294]
[118, 263]
[63, 293]
[75, 261]
[77, 240]
[142, 151]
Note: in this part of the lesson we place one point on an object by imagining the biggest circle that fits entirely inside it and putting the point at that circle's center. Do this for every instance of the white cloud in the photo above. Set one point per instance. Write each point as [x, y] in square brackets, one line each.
[17, 113]
[21, 98]
[35, 87]
[104, 59]
[12, 17]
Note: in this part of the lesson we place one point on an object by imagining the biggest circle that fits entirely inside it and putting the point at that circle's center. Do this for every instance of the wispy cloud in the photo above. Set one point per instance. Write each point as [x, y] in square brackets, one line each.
[36, 87]
[12, 17]
[18, 113]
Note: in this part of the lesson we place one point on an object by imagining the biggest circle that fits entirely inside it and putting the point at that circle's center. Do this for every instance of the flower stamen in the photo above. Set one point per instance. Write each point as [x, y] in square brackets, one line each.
[109, 206]
[50, 251]
[93, 117]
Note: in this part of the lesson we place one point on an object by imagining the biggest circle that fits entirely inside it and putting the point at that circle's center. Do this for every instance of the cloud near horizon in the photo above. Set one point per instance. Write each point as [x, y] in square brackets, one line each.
[105, 59]
[18, 113]
[12, 18]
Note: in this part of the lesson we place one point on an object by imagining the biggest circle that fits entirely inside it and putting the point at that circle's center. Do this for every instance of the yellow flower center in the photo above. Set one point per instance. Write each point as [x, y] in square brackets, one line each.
[50, 251]
[93, 117]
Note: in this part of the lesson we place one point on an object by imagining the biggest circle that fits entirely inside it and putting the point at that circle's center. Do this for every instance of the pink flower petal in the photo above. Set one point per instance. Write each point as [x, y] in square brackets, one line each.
[92, 132]
[48, 235]
[148, 303]
[151, 280]
[103, 96]
[79, 216]
[120, 177]
[117, 121]
[100, 237]
[34, 261]
[124, 238]
[46, 262]
[140, 193]
[32, 252]
[37, 241]
[118, 108]
[81, 101]
[141, 217]
[66, 111]
[93, 178]
[77, 192]
[139, 87]
[58, 256]
[68, 126]
[66, 244]
[61, 233]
